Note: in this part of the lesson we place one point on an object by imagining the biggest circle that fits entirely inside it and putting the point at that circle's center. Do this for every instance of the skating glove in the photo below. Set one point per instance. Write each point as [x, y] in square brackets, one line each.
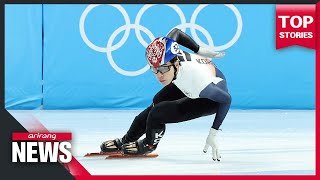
[211, 141]
[210, 53]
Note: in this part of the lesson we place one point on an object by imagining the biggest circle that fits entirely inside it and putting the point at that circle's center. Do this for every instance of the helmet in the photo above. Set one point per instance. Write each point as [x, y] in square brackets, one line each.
[161, 50]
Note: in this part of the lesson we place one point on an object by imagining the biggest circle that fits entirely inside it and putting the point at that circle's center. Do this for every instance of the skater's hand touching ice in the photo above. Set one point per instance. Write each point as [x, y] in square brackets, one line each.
[211, 141]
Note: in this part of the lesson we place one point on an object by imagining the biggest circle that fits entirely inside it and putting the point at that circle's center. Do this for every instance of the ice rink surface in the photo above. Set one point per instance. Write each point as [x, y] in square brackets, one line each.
[252, 142]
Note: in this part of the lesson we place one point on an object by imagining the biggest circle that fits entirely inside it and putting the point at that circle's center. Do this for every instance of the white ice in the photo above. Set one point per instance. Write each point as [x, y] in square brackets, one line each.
[252, 142]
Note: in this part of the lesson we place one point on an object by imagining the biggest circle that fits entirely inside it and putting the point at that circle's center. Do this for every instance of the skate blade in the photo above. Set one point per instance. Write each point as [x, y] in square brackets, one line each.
[102, 154]
[126, 156]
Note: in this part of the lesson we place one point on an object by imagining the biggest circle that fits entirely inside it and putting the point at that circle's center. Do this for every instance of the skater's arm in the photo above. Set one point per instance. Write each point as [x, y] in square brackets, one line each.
[183, 39]
[218, 93]
[186, 41]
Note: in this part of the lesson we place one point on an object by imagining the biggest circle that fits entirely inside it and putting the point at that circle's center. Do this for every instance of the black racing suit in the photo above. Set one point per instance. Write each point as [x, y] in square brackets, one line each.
[170, 105]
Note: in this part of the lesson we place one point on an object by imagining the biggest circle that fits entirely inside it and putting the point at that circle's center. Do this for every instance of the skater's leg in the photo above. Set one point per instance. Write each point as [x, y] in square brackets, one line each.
[169, 112]
[173, 112]
[138, 126]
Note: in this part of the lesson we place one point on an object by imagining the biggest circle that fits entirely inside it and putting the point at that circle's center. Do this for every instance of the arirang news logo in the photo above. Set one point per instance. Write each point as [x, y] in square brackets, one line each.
[41, 147]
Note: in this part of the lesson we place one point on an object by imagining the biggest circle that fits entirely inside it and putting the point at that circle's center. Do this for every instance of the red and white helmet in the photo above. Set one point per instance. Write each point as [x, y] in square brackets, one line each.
[161, 50]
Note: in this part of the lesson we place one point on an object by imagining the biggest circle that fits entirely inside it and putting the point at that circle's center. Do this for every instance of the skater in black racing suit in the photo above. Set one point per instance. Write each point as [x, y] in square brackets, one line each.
[193, 87]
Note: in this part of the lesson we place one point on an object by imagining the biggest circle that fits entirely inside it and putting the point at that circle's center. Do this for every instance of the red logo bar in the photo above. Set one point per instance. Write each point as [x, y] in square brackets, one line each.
[296, 25]
[41, 136]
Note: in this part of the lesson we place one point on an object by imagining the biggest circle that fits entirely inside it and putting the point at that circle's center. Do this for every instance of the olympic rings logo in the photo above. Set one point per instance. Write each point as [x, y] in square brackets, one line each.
[137, 27]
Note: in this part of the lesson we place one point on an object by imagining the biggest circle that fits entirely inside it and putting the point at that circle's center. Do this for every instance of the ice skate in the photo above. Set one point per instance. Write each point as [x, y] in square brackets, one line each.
[139, 147]
[111, 146]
